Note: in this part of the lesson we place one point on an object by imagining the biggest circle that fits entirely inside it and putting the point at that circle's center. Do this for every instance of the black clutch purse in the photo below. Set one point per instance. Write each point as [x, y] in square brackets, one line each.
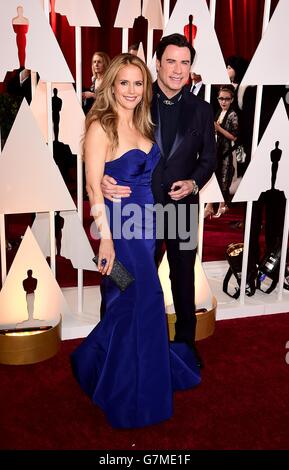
[119, 274]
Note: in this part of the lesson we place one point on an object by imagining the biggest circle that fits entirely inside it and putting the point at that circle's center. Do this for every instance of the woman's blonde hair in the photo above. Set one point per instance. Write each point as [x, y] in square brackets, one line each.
[104, 108]
[105, 57]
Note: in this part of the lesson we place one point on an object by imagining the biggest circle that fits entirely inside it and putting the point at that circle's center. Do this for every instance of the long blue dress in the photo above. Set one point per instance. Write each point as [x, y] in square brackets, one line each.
[126, 364]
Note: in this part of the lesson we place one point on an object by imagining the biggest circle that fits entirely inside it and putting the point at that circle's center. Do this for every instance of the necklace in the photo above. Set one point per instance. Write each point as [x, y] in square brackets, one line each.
[170, 102]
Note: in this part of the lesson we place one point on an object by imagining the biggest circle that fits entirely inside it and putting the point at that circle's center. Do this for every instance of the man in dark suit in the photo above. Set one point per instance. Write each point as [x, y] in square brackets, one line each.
[185, 135]
[20, 84]
[197, 87]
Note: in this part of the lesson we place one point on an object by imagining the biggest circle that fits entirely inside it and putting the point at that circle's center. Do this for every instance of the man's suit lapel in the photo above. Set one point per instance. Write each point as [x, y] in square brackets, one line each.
[156, 121]
[183, 126]
[184, 122]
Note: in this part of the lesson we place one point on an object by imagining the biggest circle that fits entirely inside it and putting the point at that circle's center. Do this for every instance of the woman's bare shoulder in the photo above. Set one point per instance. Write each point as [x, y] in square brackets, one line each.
[96, 146]
[96, 132]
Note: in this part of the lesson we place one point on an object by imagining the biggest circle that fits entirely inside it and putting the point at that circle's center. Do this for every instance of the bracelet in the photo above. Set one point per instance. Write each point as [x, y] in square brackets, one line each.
[195, 189]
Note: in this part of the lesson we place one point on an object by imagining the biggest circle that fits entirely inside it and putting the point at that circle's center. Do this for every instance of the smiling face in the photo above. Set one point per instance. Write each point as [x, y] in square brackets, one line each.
[173, 69]
[128, 87]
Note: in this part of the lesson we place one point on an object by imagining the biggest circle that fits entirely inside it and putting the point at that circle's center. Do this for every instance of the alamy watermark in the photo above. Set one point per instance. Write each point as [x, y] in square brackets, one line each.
[173, 221]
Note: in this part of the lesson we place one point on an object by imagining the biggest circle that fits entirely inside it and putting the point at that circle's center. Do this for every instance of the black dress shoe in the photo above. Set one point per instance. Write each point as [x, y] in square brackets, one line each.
[199, 360]
[191, 344]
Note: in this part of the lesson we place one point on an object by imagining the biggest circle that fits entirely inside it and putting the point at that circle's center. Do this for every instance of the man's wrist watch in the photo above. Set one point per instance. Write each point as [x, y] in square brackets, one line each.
[195, 188]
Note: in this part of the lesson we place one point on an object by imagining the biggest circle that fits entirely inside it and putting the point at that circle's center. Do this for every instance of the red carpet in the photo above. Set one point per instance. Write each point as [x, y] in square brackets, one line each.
[219, 233]
[242, 402]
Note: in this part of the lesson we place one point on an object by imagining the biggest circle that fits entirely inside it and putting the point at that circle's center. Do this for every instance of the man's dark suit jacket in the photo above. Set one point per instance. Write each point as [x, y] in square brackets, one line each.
[23, 90]
[201, 93]
[193, 153]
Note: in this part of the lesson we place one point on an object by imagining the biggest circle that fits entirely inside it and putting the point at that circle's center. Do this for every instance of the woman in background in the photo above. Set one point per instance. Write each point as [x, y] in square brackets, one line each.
[99, 63]
[226, 127]
[244, 105]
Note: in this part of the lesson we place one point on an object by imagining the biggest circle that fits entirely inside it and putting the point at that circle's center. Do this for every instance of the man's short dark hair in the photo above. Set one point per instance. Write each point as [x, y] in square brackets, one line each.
[175, 39]
[134, 47]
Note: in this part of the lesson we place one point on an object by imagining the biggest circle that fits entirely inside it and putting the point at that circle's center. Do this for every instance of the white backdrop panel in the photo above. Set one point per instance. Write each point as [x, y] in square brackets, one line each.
[153, 12]
[258, 175]
[78, 13]
[270, 64]
[43, 54]
[140, 52]
[128, 10]
[49, 301]
[29, 178]
[71, 125]
[211, 192]
[74, 243]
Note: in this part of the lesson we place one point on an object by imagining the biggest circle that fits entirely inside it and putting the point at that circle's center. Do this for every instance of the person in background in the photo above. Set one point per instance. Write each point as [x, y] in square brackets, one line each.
[236, 68]
[99, 63]
[20, 84]
[244, 105]
[197, 87]
[133, 49]
[226, 127]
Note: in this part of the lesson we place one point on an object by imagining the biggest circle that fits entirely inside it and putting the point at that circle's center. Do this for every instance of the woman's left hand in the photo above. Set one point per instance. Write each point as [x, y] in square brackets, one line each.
[106, 256]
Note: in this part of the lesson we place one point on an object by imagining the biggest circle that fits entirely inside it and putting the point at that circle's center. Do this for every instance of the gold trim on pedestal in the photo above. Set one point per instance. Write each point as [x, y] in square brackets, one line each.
[30, 348]
[205, 322]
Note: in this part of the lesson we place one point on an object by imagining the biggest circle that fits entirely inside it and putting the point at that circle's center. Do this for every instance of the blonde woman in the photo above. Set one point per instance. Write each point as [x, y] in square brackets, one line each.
[124, 365]
[99, 64]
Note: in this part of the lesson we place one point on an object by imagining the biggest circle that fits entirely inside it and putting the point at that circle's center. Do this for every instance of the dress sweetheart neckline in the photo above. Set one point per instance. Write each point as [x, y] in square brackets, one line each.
[131, 150]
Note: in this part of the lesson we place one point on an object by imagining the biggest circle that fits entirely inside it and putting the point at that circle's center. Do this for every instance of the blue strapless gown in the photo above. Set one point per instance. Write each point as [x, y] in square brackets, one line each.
[126, 364]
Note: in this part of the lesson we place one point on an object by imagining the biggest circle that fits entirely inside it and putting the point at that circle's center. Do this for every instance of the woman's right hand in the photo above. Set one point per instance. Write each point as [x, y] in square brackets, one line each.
[106, 256]
[112, 191]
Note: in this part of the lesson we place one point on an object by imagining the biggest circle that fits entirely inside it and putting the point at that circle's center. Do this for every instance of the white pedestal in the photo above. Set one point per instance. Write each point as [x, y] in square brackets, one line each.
[79, 326]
